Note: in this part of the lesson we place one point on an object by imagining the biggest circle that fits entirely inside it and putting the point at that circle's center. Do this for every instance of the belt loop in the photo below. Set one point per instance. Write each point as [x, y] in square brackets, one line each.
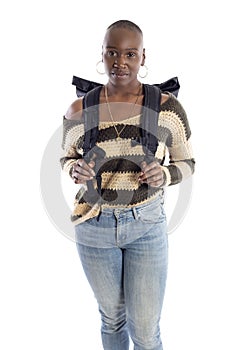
[100, 212]
[135, 214]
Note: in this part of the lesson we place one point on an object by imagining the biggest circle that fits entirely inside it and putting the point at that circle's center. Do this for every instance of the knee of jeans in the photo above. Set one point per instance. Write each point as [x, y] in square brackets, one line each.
[146, 335]
[112, 319]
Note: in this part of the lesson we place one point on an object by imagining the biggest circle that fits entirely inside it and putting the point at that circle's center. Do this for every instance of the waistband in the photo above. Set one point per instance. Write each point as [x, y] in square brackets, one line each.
[134, 209]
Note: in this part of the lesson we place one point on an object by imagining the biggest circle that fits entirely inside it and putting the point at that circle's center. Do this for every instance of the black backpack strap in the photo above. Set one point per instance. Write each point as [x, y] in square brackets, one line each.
[91, 121]
[152, 101]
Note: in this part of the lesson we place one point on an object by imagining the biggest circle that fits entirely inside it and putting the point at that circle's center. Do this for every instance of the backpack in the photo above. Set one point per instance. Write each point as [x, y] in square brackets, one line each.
[152, 98]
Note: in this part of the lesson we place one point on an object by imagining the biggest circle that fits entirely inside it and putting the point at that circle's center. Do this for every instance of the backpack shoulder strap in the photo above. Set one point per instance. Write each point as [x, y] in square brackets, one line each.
[91, 98]
[91, 120]
[151, 104]
[152, 99]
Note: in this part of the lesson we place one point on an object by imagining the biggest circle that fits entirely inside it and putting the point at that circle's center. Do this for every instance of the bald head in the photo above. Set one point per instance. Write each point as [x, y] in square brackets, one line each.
[121, 31]
[127, 25]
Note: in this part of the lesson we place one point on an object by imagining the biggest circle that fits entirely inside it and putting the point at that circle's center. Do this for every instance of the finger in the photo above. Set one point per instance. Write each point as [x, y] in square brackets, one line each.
[91, 164]
[84, 169]
[79, 177]
[74, 175]
[150, 172]
[147, 167]
[155, 180]
[143, 165]
[76, 180]
[82, 175]
[81, 164]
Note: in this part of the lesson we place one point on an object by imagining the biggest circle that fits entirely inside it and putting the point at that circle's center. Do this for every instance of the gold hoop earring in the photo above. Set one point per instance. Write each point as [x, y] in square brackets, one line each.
[145, 72]
[98, 66]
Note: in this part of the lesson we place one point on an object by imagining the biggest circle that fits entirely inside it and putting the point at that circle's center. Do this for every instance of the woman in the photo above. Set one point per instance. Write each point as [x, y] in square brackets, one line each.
[121, 237]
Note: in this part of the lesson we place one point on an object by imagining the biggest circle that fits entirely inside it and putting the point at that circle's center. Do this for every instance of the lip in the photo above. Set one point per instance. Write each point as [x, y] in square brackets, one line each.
[119, 74]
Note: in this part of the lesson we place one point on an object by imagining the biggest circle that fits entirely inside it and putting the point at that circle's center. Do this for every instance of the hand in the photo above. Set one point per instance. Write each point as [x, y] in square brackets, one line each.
[152, 174]
[82, 171]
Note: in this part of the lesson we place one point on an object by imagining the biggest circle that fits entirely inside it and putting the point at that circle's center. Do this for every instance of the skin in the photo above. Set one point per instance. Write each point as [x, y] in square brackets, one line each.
[122, 55]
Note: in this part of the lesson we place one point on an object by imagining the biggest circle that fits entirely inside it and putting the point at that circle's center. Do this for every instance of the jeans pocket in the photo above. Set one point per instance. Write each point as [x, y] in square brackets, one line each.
[151, 212]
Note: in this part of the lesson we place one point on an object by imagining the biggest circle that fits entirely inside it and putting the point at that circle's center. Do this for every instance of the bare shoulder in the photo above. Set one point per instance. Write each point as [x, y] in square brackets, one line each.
[164, 98]
[74, 112]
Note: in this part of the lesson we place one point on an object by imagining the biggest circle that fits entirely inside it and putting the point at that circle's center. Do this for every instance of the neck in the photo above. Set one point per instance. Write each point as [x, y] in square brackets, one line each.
[124, 91]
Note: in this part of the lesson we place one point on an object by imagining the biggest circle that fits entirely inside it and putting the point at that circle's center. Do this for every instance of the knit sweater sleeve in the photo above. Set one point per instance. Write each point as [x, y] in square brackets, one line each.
[72, 142]
[175, 133]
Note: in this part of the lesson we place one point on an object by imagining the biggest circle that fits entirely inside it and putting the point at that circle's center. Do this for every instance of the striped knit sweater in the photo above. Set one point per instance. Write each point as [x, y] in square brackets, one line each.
[120, 169]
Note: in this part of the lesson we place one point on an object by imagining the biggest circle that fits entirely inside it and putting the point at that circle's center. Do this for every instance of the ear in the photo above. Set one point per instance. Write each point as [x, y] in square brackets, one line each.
[102, 53]
[143, 57]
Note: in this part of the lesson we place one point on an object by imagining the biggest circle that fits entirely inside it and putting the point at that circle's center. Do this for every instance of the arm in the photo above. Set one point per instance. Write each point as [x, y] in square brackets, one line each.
[72, 151]
[174, 135]
[177, 139]
[71, 144]
[73, 132]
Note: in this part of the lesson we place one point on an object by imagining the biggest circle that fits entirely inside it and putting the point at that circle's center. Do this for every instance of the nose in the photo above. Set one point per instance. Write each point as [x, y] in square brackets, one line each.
[119, 62]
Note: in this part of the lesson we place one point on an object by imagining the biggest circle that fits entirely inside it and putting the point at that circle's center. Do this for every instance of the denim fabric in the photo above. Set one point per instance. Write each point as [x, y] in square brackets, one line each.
[124, 256]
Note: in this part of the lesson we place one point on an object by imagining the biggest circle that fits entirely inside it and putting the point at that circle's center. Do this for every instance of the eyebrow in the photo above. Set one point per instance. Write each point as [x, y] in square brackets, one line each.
[129, 48]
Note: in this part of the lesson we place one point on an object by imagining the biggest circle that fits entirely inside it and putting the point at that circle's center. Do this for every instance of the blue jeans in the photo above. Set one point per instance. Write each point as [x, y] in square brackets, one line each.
[124, 257]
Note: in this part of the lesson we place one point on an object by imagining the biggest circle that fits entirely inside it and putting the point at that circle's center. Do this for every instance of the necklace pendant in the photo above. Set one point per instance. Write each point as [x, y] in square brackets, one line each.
[118, 138]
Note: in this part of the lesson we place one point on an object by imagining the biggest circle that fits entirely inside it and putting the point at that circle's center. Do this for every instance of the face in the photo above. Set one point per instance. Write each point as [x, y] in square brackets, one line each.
[123, 54]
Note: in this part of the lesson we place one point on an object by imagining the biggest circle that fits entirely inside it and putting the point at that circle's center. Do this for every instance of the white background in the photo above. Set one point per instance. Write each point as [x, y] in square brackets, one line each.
[46, 302]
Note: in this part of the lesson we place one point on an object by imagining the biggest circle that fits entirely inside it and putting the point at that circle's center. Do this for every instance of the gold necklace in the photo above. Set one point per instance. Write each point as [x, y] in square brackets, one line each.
[110, 113]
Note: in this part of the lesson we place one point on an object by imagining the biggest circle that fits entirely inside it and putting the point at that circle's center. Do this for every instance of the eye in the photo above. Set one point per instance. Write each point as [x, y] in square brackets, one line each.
[111, 53]
[131, 54]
